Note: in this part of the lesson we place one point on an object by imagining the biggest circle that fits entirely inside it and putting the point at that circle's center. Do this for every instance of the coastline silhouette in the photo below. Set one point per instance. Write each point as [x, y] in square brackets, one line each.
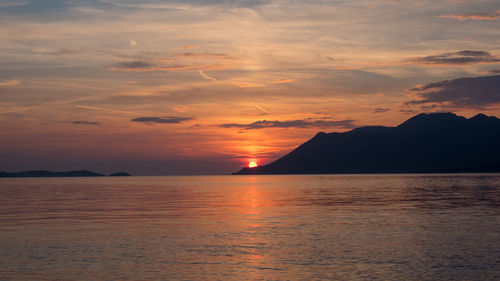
[50, 174]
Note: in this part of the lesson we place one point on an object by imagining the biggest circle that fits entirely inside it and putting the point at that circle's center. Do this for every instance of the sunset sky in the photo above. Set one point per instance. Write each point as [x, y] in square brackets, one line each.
[201, 87]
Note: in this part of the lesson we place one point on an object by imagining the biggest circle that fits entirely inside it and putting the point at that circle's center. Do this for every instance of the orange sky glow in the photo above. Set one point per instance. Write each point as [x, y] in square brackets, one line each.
[206, 87]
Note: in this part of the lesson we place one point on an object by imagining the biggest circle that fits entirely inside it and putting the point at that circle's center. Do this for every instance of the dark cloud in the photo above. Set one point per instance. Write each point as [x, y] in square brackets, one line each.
[473, 92]
[262, 124]
[493, 71]
[459, 58]
[161, 120]
[134, 64]
[429, 107]
[380, 110]
[84, 122]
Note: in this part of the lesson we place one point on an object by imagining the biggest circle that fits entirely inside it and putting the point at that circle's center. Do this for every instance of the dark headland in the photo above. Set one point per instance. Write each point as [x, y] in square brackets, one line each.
[426, 143]
[50, 174]
[43, 173]
[119, 174]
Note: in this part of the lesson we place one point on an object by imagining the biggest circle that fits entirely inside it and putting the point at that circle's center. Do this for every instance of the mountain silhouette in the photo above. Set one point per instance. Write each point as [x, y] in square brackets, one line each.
[426, 143]
[119, 174]
[43, 173]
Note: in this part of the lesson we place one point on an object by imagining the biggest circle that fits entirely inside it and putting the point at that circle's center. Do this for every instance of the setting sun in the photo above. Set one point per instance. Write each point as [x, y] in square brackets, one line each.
[252, 164]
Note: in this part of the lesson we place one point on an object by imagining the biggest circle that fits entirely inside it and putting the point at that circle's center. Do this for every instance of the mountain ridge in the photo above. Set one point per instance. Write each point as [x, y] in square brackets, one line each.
[425, 143]
[58, 174]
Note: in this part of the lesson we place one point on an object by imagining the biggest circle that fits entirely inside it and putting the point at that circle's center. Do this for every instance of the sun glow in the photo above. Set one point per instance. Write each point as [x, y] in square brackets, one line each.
[252, 164]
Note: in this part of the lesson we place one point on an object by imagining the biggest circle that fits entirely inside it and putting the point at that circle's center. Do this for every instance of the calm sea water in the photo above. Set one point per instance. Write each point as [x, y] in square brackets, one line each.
[339, 227]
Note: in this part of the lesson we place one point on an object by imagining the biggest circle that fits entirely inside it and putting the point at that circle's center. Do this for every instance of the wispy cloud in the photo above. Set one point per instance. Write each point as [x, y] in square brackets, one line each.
[161, 120]
[458, 58]
[104, 109]
[251, 85]
[180, 108]
[55, 52]
[263, 83]
[283, 81]
[206, 55]
[380, 110]
[12, 82]
[132, 42]
[138, 66]
[184, 5]
[18, 109]
[186, 47]
[493, 71]
[262, 109]
[474, 16]
[133, 65]
[41, 105]
[263, 124]
[84, 122]
[205, 76]
[13, 3]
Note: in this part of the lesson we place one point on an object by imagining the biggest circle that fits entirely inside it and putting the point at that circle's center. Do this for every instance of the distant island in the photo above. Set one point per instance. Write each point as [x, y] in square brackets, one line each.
[119, 174]
[47, 174]
[426, 143]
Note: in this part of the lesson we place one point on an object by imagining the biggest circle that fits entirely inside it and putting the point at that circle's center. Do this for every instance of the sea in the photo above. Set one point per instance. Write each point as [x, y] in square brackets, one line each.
[276, 227]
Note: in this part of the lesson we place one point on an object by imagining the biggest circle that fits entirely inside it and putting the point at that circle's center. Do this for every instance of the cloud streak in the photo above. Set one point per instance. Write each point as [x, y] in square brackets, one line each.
[19, 109]
[493, 71]
[474, 16]
[205, 76]
[132, 42]
[264, 124]
[207, 55]
[262, 109]
[84, 122]
[186, 47]
[283, 81]
[104, 109]
[56, 52]
[132, 65]
[161, 120]
[380, 110]
[138, 66]
[10, 83]
[458, 58]
[12, 3]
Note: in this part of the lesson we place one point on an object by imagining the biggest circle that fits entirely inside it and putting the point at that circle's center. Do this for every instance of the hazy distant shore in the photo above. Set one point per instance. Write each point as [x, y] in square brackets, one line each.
[58, 174]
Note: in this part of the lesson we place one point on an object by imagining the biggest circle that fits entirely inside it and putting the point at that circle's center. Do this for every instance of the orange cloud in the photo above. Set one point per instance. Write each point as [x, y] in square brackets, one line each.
[180, 108]
[250, 85]
[208, 55]
[186, 47]
[283, 81]
[262, 84]
[474, 16]
[10, 83]
[206, 76]
[165, 60]
[174, 68]
[132, 42]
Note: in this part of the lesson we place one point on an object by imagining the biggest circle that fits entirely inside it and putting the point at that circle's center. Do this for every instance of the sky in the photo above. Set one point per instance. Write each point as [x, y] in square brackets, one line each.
[204, 87]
